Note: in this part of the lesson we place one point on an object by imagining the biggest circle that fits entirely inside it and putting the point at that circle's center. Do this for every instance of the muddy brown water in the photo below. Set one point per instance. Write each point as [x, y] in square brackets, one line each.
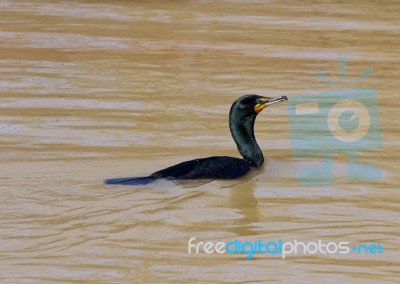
[97, 89]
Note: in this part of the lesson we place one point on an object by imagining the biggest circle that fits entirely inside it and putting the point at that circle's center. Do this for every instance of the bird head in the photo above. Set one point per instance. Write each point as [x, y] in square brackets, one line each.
[251, 105]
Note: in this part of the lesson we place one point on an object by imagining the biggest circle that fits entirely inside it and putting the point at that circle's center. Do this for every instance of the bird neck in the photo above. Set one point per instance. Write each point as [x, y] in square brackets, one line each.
[242, 130]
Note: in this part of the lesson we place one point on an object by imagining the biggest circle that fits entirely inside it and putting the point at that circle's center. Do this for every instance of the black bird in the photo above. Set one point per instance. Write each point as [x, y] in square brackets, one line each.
[242, 116]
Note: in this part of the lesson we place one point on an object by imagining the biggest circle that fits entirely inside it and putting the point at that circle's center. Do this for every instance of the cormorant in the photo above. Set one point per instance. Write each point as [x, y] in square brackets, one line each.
[242, 116]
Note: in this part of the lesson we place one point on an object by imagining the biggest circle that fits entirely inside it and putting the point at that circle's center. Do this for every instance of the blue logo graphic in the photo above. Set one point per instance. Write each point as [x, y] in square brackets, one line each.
[343, 121]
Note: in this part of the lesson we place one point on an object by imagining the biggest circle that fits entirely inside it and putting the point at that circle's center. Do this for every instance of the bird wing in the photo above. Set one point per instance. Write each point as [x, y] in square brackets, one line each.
[217, 167]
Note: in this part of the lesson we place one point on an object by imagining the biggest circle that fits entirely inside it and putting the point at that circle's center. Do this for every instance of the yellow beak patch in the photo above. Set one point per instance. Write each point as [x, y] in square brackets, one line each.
[259, 107]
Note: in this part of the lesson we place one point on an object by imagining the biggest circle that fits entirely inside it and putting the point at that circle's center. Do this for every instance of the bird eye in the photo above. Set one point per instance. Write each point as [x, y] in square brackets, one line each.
[258, 101]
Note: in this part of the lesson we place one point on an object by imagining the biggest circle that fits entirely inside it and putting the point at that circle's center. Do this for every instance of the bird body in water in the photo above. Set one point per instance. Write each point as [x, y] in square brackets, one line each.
[242, 116]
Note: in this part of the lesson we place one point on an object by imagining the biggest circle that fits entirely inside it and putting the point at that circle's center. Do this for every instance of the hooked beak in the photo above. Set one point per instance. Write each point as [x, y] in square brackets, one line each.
[267, 102]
